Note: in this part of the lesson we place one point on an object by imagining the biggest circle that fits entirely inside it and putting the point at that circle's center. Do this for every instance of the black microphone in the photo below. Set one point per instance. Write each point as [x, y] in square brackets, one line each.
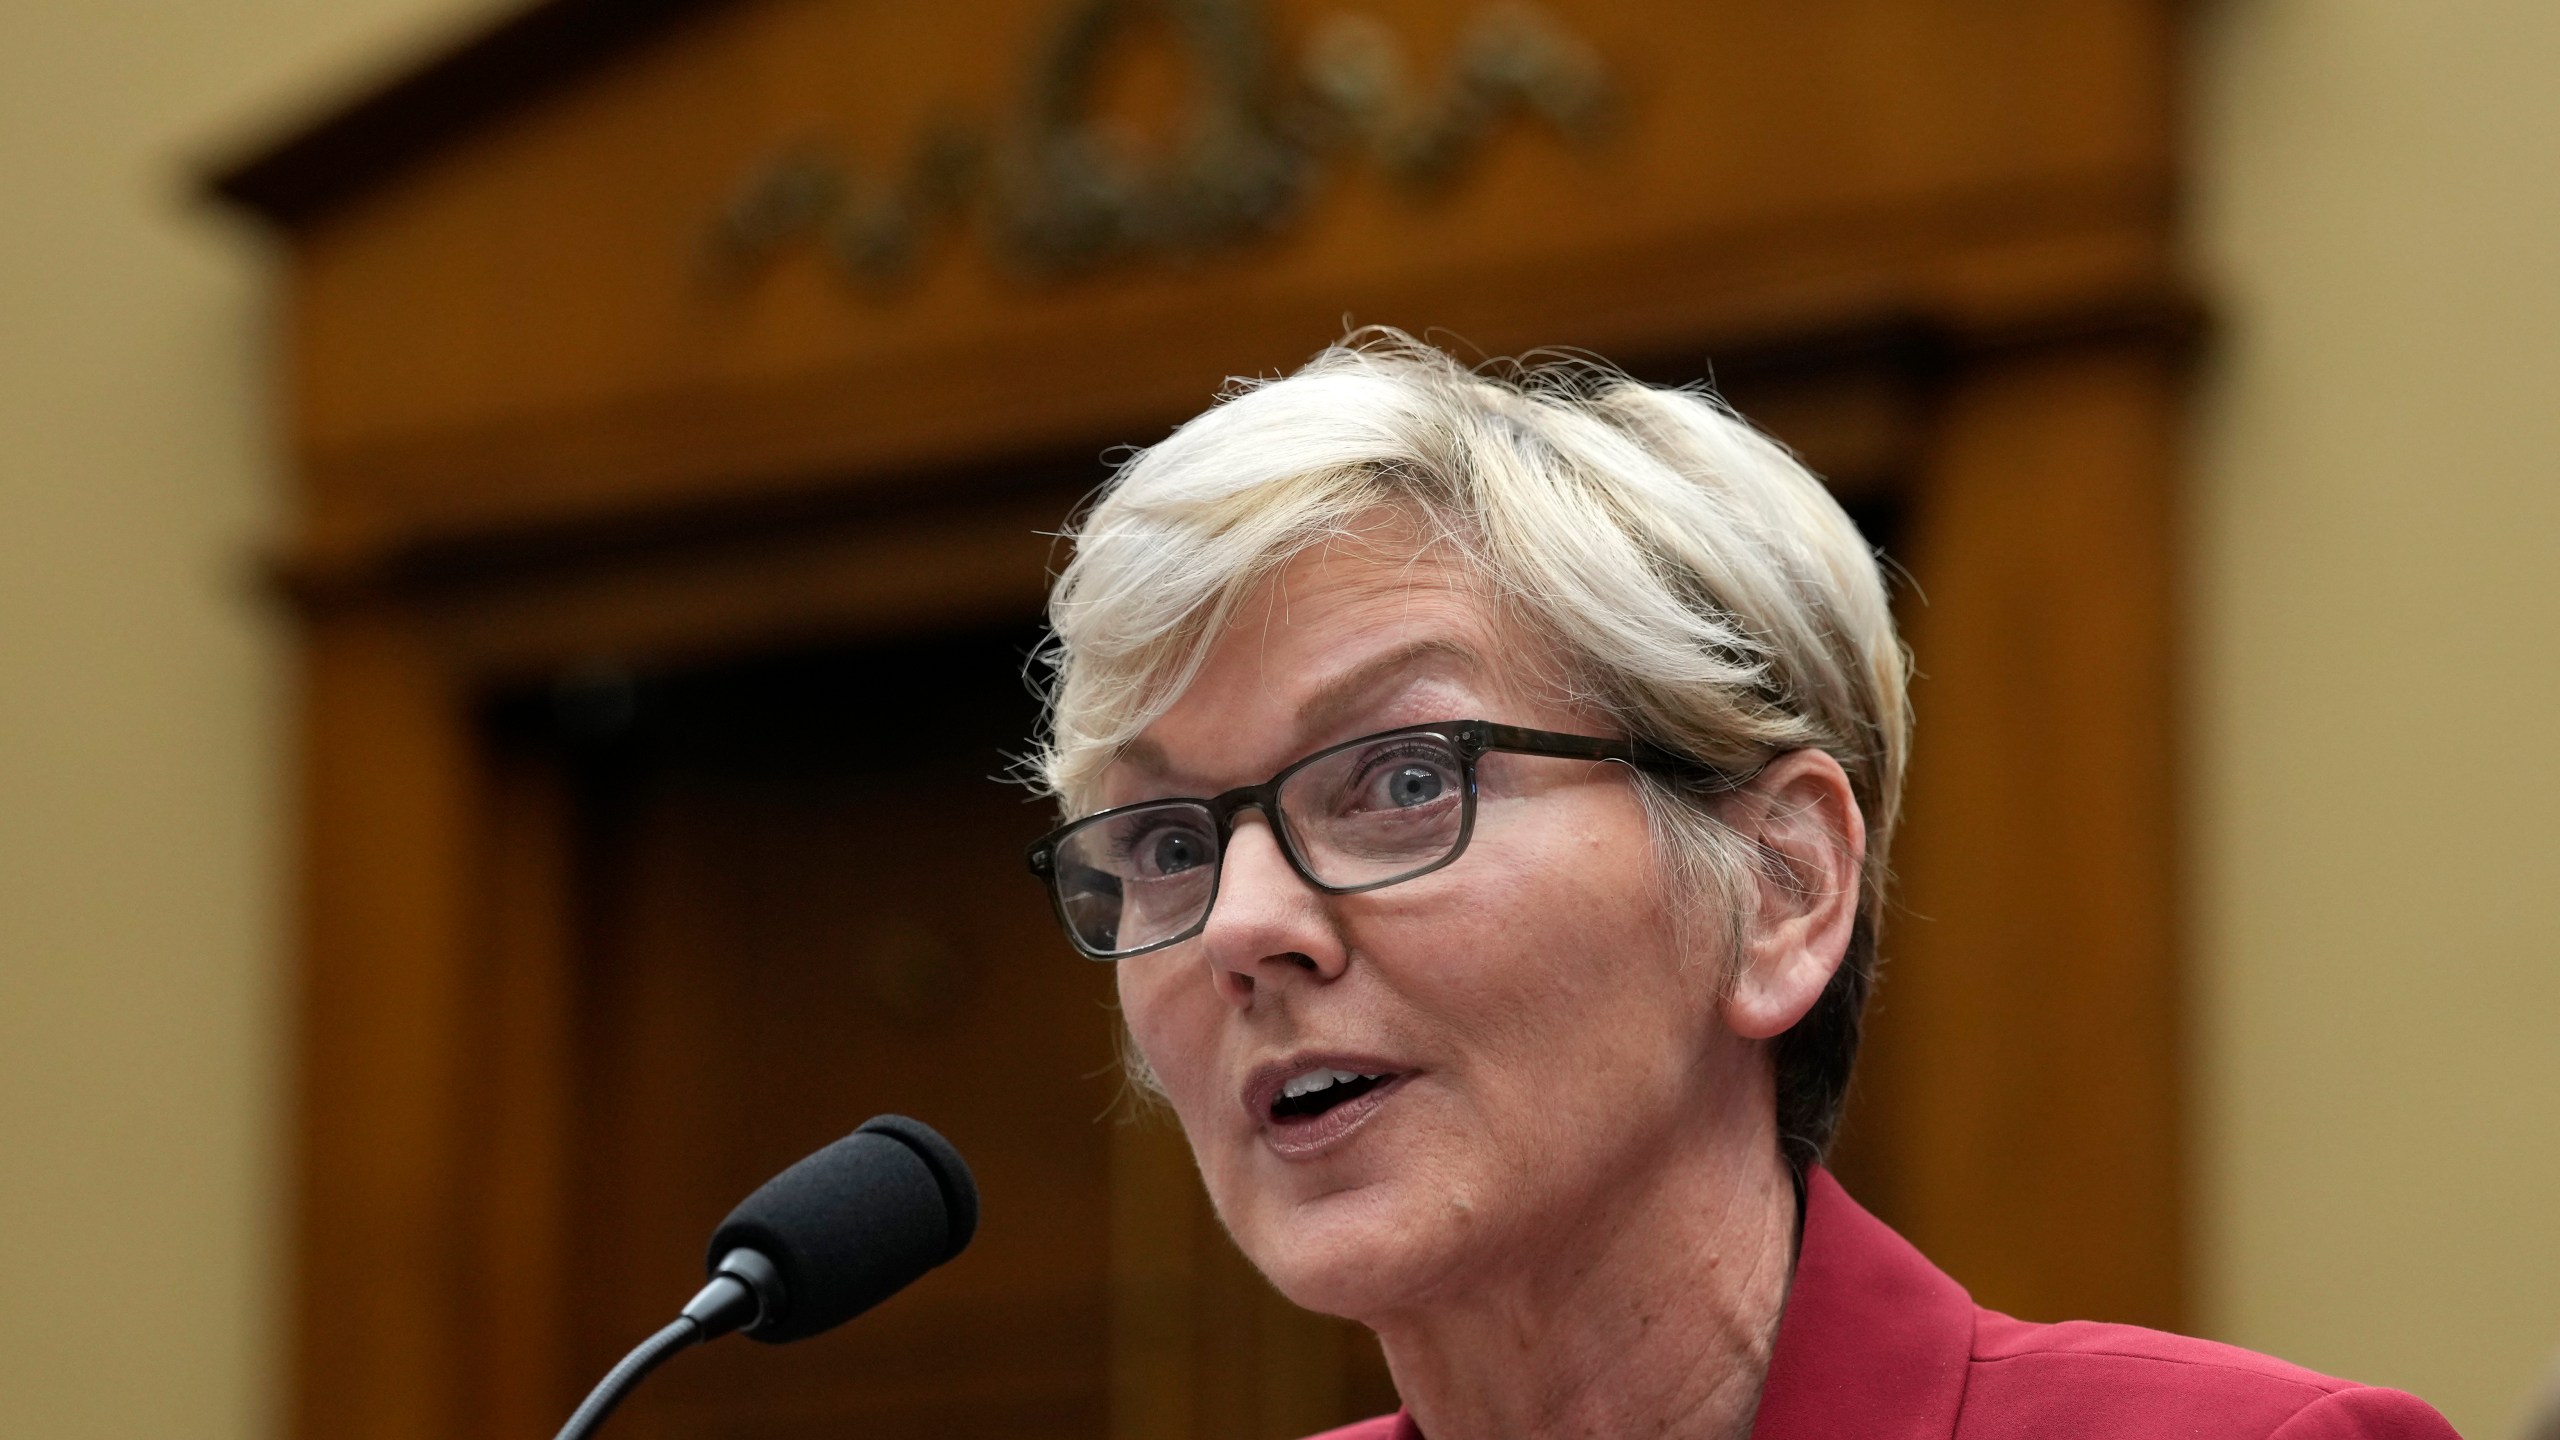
[819, 1244]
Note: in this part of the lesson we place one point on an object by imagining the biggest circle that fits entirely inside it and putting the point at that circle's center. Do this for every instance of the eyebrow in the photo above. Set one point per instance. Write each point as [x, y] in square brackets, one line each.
[1335, 698]
[1346, 692]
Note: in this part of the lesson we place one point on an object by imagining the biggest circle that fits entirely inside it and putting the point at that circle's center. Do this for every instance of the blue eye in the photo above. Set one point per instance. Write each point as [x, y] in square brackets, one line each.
[1409, 785]
[1170, 852]
[1153, 843]
[1393, 780]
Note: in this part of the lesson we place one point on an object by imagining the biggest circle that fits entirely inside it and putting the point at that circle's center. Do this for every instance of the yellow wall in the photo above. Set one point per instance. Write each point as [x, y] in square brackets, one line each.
[2377, 605]
[140, 700]
[2377, 508]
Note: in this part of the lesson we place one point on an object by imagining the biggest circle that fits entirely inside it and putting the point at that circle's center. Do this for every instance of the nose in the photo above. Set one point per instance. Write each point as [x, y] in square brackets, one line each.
[1269, 926]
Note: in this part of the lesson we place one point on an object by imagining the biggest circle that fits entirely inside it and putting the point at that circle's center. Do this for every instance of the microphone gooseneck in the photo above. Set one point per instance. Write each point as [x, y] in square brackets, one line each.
[617, 1382]
[815, 1246]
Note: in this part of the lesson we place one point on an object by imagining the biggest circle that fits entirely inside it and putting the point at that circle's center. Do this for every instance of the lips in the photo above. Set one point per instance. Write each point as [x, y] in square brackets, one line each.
[1308, 1103]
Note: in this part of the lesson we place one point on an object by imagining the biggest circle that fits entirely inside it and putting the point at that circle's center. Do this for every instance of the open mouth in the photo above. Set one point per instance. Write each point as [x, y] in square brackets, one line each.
[1306, 1096]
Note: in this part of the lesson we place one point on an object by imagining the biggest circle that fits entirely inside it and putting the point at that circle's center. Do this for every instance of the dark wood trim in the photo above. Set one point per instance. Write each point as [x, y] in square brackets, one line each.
[1795, 379]
[480, 81]
[326, 160]
[432, 568]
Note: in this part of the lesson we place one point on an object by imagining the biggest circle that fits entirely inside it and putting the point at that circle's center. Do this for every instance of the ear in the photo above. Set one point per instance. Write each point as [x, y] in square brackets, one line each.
[1802, 821]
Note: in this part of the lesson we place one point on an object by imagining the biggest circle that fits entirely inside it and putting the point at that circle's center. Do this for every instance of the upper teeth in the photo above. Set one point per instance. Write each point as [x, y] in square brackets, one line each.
[1315, 1080]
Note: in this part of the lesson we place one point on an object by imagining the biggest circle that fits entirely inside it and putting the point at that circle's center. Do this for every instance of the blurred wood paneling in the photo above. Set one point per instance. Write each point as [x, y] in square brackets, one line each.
[805, 909]
[528, 326]
[624, 572]
[2016, 1113]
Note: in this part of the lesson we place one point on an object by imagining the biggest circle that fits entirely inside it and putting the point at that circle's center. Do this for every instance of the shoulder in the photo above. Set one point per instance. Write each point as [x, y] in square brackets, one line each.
[2121, 1380]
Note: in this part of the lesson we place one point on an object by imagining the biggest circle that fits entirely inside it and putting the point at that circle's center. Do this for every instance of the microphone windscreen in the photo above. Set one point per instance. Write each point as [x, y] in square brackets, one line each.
[853, 1224]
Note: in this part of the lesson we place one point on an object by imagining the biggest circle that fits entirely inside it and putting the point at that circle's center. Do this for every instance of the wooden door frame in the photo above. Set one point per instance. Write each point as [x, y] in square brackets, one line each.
[437, 1014]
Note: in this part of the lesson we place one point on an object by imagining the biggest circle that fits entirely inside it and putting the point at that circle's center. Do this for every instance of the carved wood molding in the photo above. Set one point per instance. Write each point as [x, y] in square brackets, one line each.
[1055, 191]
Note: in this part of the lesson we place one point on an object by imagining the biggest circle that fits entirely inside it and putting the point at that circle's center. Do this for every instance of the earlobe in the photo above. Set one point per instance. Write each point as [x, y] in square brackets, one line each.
[1802, 820]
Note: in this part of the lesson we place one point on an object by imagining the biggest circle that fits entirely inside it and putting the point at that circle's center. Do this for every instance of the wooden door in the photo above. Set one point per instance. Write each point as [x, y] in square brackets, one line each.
[804, 909]
[799, 904]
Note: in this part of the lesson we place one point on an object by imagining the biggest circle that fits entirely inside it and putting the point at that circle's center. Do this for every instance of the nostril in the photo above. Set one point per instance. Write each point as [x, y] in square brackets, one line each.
[1299, 958]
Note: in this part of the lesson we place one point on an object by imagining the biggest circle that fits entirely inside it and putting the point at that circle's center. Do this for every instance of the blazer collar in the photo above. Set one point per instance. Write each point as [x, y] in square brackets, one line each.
[1874, 1341]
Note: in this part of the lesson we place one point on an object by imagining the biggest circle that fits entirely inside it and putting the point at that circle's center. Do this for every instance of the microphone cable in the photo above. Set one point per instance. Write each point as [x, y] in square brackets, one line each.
[617, 1382]
[737, 1294]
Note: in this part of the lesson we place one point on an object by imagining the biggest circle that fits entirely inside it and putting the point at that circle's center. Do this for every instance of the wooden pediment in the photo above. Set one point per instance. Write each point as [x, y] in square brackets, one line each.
[620, 257]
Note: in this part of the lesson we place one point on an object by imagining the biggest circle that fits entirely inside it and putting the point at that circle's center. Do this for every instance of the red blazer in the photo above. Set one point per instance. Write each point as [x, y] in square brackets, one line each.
[1878, 1344]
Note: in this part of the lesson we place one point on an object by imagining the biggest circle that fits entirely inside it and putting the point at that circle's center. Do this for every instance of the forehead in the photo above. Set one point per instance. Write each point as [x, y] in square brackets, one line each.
[1359, 634]
[1345, 600]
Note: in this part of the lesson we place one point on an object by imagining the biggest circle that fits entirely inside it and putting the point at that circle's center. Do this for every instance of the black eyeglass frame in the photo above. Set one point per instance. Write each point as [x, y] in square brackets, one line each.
[1474, 739]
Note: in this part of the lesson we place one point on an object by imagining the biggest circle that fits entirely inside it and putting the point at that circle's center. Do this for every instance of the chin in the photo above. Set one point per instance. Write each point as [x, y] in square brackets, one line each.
[1354, 1253]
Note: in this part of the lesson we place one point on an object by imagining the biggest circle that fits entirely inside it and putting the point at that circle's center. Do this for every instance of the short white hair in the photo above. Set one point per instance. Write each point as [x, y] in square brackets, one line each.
[1707, 592]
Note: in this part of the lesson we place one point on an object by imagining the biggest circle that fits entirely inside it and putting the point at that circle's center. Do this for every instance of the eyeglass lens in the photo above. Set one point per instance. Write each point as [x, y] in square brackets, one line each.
[1366, 814]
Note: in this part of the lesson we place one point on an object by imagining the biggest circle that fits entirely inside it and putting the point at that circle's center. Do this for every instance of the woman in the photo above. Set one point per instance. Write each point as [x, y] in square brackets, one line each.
[1483, 790]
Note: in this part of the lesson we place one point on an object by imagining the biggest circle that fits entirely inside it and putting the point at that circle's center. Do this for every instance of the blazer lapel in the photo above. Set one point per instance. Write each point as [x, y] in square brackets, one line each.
[1874, 1341]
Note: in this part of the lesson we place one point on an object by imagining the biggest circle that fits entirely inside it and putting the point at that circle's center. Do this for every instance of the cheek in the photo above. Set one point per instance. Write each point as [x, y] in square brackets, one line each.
[1577, 972]
[1172, 1016]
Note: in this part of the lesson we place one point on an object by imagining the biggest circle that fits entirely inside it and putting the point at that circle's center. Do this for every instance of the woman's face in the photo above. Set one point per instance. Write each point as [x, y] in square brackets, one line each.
[1544, 1042]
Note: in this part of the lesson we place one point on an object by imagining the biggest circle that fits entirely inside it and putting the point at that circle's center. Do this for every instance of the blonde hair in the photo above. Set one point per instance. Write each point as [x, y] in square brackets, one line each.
[1709, 594]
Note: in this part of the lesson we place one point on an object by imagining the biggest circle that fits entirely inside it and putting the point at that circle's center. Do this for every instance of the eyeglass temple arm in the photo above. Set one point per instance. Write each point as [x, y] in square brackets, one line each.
[1522, 740]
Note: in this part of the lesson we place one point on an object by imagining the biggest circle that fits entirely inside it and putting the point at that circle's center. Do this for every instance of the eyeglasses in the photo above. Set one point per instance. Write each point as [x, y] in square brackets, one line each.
[1357, 816]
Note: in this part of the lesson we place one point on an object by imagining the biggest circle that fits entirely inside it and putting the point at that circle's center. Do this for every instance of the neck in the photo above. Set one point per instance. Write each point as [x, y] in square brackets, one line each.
[1653, 1318]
